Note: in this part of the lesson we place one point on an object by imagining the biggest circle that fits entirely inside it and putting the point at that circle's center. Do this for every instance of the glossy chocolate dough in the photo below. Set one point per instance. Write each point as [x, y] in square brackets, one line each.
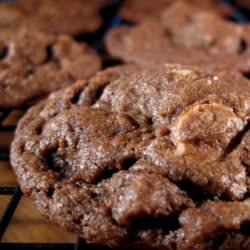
[184, 34]
[70, 17]
[155, 158]
[33, 64]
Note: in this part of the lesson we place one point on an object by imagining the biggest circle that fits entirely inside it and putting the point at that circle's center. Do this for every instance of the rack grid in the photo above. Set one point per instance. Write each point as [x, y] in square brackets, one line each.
[111, 19]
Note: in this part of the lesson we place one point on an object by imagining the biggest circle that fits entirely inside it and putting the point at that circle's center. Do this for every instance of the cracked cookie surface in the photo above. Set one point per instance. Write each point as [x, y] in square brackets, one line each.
[61, 16]
[145, 157]
[33, 64]
[183, 34]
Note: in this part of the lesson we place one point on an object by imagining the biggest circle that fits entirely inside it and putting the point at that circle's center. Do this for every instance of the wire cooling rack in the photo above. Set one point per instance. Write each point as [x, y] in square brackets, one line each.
[111, 19]
[96, 40]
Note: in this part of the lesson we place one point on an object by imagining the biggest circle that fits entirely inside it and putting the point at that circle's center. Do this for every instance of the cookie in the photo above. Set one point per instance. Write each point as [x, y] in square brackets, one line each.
[185, 35]
[155, 158]
[61, 16]
[33, 64]
[136, 11]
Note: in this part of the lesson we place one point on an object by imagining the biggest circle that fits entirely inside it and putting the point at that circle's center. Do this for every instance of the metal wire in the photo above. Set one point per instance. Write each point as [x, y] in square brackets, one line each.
[16, 194]
[112, 20]
[30, 246]
[9, 211]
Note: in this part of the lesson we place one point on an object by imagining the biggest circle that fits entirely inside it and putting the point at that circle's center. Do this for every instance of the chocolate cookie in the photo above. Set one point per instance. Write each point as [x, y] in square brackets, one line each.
[33, 64]
[156, 158]
[136, 11]
[54, 16]
[186, 35]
